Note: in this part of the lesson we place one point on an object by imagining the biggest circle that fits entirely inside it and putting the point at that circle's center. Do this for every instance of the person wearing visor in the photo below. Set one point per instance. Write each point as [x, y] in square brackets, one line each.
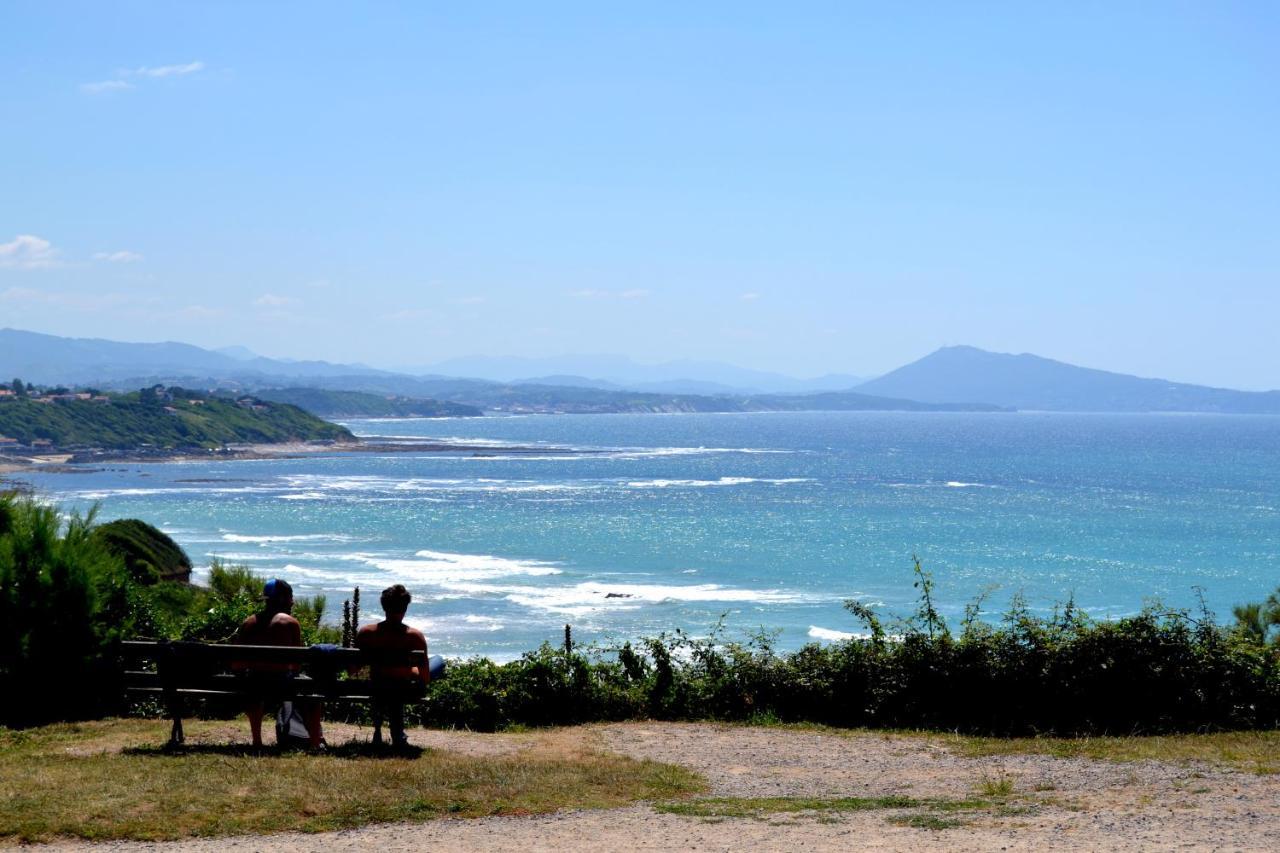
[274, 626]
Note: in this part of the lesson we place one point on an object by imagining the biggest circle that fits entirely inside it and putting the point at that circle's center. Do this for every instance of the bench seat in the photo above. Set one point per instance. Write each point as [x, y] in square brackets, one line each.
[176, 670]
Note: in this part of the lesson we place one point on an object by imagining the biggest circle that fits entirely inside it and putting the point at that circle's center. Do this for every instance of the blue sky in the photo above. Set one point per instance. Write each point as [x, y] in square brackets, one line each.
[803, 187]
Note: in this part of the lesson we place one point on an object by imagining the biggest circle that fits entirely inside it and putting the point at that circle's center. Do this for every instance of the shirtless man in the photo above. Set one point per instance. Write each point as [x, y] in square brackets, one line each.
[391, 633]
[273, 626]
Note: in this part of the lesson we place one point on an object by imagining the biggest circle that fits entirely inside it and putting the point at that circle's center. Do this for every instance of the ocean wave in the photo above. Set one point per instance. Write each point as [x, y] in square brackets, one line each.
[300, 537]
[103, 494]
[594, 596]
[444, 569]
[831, 635]
[484, 623]
[723, 481]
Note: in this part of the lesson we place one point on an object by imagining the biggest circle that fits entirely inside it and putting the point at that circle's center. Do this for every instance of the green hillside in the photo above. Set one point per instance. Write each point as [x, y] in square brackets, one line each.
[353, 404]
[175, 419]
[148, 553]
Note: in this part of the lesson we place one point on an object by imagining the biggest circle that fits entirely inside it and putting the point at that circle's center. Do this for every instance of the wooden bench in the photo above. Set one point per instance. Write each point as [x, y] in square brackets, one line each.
[175, 671]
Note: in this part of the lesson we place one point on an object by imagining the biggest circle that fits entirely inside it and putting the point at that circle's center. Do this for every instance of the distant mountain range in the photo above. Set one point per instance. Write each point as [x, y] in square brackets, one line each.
[955, 374]
[953, 378]
[620, 372]
[53, 360]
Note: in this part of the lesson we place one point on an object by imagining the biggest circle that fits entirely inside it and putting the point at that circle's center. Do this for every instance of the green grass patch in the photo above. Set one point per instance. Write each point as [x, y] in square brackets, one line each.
[1251, 751]
[928, 821]
[759, 807]
[932, 813]
[111, 780]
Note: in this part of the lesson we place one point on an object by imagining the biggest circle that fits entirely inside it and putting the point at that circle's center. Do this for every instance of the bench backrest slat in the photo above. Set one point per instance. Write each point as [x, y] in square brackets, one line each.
[224, 654]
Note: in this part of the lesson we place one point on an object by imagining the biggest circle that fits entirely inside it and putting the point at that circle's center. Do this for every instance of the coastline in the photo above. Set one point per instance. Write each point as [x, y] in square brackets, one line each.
[67, 461]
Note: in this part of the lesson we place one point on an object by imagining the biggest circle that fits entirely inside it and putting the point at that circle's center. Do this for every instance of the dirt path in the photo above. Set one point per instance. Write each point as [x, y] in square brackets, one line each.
[1063, 804]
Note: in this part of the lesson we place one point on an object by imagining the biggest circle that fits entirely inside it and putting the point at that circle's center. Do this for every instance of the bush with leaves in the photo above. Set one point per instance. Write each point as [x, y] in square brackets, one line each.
[64, 598]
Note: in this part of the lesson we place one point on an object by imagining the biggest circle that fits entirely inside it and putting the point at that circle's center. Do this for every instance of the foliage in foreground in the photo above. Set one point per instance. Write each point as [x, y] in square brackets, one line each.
[1159, 671]
[71, 589]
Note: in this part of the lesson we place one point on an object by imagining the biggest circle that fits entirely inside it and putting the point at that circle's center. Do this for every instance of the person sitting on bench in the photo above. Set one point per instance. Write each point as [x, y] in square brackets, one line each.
[393, 635]
[273, 626]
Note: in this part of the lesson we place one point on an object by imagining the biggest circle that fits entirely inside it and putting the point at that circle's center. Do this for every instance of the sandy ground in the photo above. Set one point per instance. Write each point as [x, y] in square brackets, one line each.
[1073, 804]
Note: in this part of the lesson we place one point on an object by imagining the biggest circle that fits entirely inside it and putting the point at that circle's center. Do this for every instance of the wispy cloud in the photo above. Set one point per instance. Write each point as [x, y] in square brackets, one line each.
[271, 300]
[164, 70]
[27, 251]
[103, 87]
[121, 81]
[120, 257]
[749, 297]
[592, 293]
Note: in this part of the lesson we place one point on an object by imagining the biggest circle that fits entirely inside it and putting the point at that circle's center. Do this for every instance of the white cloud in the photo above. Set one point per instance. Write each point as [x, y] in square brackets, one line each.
[102, 87]
[27, 251]
[119, 83]
[164, 70]
[750, 297]
[120, 257]
[271, 300]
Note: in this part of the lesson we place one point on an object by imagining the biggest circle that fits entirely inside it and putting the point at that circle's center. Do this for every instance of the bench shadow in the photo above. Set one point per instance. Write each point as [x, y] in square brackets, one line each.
[350, 750]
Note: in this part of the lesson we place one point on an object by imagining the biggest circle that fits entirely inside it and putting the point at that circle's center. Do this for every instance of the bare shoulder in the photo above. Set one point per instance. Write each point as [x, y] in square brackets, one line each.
[418, 637]
[283, 619]
[371, 628]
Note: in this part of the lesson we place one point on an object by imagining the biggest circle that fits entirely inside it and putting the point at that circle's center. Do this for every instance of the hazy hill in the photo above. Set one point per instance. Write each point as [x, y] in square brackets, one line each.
[354, 404]
[53, 360]
[614, 371]
[961, 373]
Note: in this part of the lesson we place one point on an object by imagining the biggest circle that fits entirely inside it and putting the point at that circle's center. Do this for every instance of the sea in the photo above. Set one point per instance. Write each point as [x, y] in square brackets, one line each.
[738, 525]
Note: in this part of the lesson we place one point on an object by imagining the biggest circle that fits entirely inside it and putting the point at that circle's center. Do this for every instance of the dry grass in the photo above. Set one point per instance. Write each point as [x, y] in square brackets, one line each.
[110, 779]
[1252, 751]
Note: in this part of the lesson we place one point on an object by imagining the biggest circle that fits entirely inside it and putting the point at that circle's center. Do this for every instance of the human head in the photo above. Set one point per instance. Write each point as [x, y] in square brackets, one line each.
[277, 596]
[395, 601]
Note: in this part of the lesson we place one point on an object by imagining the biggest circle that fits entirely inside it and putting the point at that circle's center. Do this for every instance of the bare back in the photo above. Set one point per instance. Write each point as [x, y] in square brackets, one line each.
[280, 629]
[393, 636]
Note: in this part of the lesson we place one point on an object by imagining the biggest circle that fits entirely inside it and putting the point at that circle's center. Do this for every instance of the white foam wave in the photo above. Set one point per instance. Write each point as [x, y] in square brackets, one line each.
[723, 481]
[444, 569]
[956, 484]
[484, 623]
[301, 537]
[593, 596]
[830, 635]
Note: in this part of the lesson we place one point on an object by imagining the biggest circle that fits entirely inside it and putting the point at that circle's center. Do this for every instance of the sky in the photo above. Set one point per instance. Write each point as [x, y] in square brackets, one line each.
[799, 187]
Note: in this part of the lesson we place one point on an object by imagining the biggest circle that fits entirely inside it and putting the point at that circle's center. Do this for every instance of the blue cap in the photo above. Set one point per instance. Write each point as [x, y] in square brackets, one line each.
[275, 588]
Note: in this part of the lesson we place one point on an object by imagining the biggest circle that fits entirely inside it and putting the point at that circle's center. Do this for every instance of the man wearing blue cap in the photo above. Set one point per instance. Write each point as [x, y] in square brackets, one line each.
[273, 626]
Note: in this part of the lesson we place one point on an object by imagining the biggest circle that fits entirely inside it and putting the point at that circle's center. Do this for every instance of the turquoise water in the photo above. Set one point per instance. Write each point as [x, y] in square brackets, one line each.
[770, 519]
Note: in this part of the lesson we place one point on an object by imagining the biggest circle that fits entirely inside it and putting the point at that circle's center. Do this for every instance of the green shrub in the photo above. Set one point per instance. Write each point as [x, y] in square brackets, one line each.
[1159, 671]
[63, 599]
